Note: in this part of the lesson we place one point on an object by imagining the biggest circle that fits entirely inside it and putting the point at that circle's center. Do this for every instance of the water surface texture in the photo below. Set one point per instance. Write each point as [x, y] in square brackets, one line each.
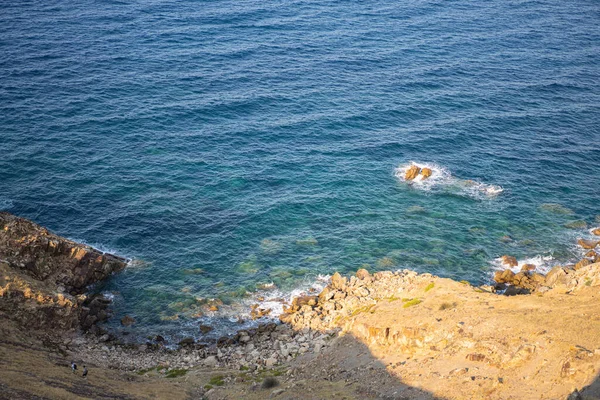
[229, 145]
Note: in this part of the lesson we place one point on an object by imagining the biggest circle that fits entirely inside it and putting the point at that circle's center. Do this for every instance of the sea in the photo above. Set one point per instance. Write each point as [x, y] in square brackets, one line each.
[240, 152]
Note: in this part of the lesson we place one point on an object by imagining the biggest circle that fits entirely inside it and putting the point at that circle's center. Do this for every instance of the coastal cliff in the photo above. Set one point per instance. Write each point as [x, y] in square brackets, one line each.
[43, 278]
[390, 334]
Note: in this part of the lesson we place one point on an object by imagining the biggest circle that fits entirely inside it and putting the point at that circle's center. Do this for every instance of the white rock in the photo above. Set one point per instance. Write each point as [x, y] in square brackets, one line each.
[210, 361]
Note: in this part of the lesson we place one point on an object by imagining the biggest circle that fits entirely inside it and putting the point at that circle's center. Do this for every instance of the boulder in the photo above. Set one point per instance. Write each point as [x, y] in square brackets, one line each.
[505, 276]
[188, 341]
[527, 268]
[362, 274]
[515, 290]
[412, 173]
[509, 261]
[583, 263]
[587, 244]
[591, 254]
[557, 275]
[127, 321]
[338, 282]
[426, 173]
[577, 224]
[596, 231]
[304, 301]
[204, 329]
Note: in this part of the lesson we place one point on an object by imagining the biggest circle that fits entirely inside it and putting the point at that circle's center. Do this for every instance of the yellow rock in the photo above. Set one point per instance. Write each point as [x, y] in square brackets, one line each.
[412, 173]
[426, 173]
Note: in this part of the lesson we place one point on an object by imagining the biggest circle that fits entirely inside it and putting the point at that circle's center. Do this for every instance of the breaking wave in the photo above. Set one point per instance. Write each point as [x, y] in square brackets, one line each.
[442, 179]
[543, 264]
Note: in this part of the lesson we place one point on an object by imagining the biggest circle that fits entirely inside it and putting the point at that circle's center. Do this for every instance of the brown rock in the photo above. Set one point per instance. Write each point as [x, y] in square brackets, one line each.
[305, 301]
[583, 263]
[127, 320]
[188, 341]
[537, 279]
[362, 274]
[505, 276]
[412, 173]
[596, 231]
[204, 329]
[426, 173]
[46, 257]
[338, 281]
[256, 312]
[591, 254]
[587, 244]
[509, 261]
[557, 275]
[527, 268]
[476, 357]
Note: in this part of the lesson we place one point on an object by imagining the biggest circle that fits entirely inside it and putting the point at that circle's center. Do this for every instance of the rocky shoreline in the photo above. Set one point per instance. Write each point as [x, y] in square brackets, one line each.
[43, 278]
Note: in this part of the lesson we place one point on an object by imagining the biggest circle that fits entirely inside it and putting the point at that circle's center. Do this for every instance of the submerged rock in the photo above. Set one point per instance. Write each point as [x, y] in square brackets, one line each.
[577, 224]
[588, 244]
[127, 320]
[509, 261]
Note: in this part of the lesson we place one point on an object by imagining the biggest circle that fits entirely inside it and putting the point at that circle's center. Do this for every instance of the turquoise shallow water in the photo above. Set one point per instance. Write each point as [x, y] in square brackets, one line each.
[226, 145]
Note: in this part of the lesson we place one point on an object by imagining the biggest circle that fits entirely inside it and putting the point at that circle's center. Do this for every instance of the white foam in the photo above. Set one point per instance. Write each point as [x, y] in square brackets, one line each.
[442, 178]
[543, 264]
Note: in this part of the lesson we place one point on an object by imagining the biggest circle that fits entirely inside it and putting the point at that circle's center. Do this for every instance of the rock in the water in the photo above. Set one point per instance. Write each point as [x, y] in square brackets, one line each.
[127, 320]
[426, 173]
[577, 224]
[527, 268]
[362, 274]
[588, 244]
[596, 231]
[591, 254]
[412, 173]
[509, 261]
[204, 329]
[187, 342]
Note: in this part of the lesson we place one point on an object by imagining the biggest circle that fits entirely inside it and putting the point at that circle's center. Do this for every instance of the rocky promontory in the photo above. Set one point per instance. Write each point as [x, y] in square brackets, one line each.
[43, 278]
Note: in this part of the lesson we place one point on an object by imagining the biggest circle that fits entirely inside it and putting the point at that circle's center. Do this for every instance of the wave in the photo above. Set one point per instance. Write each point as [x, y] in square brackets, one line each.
[271, 297]
[6, 204]
[442, 179]
[543, 264]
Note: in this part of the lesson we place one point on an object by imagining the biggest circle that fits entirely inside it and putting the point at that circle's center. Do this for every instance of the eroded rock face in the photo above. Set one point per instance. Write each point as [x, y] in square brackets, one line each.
[31, 249]
[43, 277]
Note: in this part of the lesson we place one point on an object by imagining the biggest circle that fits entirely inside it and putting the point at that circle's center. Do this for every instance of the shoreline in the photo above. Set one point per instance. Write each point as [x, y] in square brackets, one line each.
[401, 315]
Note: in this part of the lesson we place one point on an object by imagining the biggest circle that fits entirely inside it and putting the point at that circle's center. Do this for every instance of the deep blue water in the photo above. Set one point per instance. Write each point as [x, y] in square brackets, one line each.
[228, 144]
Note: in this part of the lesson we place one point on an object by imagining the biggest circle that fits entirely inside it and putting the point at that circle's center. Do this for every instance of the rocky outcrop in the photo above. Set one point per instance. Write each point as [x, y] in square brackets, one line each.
[509, 261]
[588, 244]
[29, 248]
[414, 171]
[43, 277]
